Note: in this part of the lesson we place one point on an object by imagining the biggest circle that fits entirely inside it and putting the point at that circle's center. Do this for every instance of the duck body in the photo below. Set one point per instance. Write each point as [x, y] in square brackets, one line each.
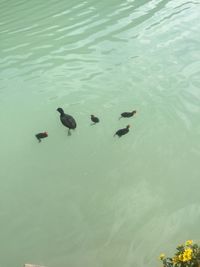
[123, 131]
[94, 119]
[39, 136]
[128, 114]
[66, 119]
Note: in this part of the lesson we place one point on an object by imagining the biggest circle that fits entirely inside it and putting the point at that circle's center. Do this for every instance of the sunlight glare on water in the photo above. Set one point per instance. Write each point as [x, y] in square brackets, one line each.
[91, 199]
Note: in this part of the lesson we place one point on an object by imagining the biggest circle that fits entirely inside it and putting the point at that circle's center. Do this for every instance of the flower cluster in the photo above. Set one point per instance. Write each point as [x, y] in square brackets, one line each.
[186, 255]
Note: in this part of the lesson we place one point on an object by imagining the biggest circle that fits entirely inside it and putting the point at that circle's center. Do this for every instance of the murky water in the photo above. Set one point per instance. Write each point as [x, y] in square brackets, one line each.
[90, 199]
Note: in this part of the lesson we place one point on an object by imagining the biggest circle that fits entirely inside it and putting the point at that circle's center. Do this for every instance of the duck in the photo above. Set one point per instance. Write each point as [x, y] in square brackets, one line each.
[67, 120]
[94, 119]
[128, 114]
[39, 136]
[123, 131]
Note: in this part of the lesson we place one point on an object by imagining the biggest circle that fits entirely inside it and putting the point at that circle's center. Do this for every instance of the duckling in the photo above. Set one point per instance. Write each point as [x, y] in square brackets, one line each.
[94, 119]
[67, 120]
[128, 114]
[39, 136]
[123, 131]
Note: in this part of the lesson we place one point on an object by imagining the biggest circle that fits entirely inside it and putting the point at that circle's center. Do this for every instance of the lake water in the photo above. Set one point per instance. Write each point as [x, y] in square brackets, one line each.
[91, 199]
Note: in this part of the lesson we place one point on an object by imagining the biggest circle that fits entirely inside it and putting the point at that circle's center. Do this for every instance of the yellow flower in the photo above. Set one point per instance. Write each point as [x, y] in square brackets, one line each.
[187, 255]
[186, 258]
[162, 256]
[180, 257]
[189, 242]
[188, 251]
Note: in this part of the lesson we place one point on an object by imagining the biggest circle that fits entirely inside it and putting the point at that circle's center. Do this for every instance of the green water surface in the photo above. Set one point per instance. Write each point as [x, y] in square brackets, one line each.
[90, 199]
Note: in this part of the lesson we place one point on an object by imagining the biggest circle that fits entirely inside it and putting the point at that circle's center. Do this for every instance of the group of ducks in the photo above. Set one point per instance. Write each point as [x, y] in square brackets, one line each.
[69, 122]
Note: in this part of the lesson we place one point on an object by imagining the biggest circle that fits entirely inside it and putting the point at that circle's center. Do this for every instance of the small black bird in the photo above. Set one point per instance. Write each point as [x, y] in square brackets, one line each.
[123, 131]
[39, 136]
[94, 119]
[67, 120]
[128, 114]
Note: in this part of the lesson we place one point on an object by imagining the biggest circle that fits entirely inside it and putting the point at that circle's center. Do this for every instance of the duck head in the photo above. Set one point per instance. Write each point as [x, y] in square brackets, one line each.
[60, 110]
[128, 126]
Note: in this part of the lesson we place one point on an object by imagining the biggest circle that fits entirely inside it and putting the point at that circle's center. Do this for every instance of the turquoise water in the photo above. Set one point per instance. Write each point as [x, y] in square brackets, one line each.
[90, 199]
